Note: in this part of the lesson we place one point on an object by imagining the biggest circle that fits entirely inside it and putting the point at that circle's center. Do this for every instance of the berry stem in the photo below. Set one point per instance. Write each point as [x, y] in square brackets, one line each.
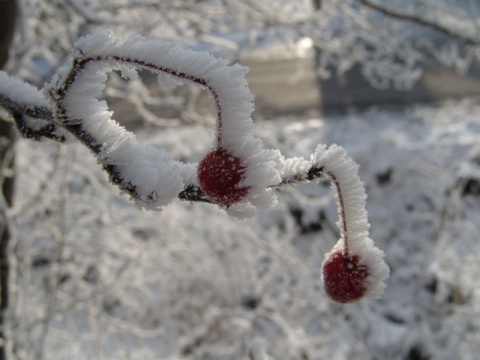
[343, 217]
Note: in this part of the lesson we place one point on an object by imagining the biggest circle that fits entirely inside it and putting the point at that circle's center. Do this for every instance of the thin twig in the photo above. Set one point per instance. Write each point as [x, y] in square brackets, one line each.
[421, 21]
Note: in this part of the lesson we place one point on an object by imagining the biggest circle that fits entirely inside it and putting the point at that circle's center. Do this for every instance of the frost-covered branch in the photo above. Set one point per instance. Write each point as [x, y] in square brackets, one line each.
[31, 112]
[238, 174]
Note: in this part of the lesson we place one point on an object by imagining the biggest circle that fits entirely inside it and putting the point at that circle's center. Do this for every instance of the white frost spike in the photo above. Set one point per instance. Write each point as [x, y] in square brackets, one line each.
[353, 223]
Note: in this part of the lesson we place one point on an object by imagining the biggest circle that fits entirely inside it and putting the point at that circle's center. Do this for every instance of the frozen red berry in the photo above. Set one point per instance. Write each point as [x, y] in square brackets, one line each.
[344, 278]
[220, 174]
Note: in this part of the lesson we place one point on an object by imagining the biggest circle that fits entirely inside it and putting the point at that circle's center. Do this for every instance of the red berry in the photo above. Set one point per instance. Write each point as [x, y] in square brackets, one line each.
[344, 278]
[219, 175]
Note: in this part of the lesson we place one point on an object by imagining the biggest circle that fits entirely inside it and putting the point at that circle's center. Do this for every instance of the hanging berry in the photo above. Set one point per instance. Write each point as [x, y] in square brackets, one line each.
[354, 269]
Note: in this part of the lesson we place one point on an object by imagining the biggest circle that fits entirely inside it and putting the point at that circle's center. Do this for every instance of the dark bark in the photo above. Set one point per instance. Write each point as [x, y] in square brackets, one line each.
[8, 10]
[8, 13]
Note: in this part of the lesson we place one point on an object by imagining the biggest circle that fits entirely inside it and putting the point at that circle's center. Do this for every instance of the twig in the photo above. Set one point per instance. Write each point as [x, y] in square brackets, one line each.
[421, 21]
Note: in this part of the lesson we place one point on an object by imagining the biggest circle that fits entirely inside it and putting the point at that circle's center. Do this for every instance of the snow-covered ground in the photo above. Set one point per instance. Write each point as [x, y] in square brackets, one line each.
[97, 278]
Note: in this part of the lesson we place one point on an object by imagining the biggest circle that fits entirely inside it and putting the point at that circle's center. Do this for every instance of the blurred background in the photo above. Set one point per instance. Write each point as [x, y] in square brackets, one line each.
[84, 274]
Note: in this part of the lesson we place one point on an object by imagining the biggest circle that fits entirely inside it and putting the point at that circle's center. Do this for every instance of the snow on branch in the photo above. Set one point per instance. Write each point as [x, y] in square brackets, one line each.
[31, 111]
[238, 174]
